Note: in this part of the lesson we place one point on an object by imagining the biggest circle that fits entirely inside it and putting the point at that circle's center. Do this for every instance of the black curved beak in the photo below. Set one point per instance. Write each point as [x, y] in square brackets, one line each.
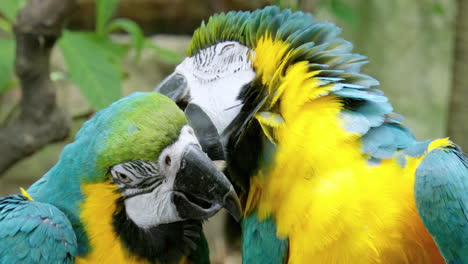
[175, 86]
[206, 131]
[200, 190]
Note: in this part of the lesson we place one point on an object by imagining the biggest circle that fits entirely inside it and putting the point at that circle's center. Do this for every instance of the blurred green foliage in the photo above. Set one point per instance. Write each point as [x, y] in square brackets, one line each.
[9, 9]
[339, 8]
[293, 5]
[104, 11]
[438, 8]
[93, 63]
[7, 50]
[93, 59]
[343, 11]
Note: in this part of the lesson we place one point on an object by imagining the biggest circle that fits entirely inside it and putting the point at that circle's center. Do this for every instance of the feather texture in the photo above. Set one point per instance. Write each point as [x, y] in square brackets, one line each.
[441, 192]
[70, 219]
[34, 232]
[259, 239]
[333, 68]
[339, 186]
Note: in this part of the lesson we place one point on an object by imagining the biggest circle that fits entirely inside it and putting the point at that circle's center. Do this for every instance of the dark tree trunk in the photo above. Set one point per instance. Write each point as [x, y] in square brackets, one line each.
[458, 107]
[41, 121]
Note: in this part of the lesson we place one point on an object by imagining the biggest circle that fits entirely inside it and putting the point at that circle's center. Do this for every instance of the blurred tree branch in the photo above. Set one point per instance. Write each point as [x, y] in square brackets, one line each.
[41, 121]
[458, 106]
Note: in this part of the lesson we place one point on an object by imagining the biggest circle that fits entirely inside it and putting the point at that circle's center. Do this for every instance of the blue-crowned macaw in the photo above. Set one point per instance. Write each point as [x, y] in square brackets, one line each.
[134, 187]
[326, 170]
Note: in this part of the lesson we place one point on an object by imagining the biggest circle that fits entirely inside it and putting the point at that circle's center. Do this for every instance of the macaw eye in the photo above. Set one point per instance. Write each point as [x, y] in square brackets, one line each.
[121, 177]
[168, 160]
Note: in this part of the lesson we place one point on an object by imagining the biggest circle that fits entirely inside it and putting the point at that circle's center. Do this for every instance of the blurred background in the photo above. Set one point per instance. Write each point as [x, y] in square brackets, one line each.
[112, 48]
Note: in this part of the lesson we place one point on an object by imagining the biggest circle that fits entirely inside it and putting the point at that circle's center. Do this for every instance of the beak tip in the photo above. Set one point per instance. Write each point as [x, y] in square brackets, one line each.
[232, 204]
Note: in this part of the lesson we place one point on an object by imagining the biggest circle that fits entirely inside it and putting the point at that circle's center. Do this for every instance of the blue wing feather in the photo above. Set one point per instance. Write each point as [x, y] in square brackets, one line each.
[441, 193]
[417, 149]
[384, 141]
[34, 232]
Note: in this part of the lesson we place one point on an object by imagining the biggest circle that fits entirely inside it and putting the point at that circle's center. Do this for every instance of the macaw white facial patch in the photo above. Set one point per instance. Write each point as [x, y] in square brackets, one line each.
[215, 77]
[153, 207]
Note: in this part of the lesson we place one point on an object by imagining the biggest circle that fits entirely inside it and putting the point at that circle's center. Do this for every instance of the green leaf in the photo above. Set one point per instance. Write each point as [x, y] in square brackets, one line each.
[7, 59]
[90, 67]
[344, 12]
[5, 25]
[113, 51]
[104, 11]
[168, 56]
[10, 8]
[131, 28]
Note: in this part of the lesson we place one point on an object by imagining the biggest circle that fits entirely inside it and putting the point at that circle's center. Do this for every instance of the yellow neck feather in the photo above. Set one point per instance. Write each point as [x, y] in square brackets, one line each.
[97, 210]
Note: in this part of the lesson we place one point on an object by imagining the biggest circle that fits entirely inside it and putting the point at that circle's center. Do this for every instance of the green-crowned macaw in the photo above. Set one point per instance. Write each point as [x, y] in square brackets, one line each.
[326, 170]
[134, 187]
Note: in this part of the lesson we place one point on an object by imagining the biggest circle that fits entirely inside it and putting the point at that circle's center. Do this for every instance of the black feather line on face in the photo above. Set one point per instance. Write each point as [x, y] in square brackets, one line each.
[243, 137]
[142, 177]
[166, 243]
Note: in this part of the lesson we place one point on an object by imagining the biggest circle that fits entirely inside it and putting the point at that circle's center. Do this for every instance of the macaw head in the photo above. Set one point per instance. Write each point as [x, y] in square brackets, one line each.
[141, 168]
[249, 73]
[154, 159]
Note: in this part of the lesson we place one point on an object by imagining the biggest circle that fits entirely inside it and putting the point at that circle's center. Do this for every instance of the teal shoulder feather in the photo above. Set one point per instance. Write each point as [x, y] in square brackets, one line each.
[260, 243]
[441, 193]
[33, 232]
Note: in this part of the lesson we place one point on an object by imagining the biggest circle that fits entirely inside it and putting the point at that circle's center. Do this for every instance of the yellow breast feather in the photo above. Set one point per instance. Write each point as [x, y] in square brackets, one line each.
[323, 195]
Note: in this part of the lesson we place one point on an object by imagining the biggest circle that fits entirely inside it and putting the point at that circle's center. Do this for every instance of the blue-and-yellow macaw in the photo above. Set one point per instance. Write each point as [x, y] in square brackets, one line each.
[326, 169]
[134, 187]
